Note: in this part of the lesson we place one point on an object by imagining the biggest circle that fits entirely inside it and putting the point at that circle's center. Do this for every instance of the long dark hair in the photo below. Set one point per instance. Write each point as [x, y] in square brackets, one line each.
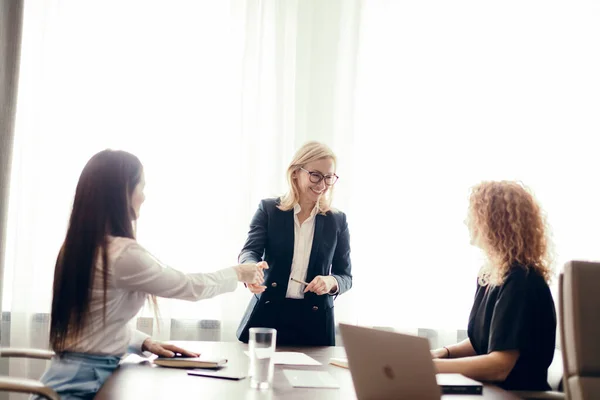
[102, 207]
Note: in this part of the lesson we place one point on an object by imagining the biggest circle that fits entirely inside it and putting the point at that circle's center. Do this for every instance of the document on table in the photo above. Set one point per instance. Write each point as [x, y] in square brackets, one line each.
[136, 359]
[291, 358]
[310, 379]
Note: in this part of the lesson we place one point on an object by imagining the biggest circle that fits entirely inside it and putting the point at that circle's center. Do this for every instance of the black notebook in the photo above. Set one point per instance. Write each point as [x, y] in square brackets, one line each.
[235, 374]
[458, 384]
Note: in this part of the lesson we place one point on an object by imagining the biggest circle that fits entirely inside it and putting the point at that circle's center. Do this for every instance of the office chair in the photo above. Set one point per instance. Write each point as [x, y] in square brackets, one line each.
[24, 385]
[580, 329]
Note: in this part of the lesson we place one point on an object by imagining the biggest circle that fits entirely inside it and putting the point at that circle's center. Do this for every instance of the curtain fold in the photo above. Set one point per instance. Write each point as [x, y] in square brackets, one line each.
[11, 22]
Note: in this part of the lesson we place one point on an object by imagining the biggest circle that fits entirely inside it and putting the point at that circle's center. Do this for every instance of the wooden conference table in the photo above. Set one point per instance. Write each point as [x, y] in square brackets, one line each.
[146, 381]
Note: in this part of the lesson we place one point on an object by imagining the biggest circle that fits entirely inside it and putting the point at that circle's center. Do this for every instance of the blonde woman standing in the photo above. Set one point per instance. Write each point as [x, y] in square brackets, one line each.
[512, 326]
[299, 238]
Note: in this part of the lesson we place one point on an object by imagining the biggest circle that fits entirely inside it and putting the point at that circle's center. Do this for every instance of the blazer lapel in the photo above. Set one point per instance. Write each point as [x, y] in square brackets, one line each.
[316, 244]
[288, 243]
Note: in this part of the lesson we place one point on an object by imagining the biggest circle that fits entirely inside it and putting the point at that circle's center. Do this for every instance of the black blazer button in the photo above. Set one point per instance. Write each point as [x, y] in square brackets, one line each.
[274, 284]
[315, 308]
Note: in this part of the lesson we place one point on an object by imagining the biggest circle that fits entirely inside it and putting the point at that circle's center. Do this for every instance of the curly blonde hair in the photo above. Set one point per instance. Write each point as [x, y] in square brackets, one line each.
[508, 224]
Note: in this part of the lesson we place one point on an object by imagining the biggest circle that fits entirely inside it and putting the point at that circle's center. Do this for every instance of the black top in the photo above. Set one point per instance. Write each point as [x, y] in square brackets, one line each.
[517, 315]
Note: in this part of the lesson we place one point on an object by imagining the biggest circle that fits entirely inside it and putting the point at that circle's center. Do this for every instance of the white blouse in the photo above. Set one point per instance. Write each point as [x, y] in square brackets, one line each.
[133, 275]
[303, 239]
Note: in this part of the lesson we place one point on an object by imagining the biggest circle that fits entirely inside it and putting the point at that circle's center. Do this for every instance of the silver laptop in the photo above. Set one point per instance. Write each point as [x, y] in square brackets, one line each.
[389, 365]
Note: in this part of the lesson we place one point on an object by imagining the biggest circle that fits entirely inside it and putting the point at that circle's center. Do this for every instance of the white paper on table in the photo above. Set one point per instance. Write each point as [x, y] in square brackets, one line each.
[136, 359]
[310, 379]
[263, 353]
[290, 358]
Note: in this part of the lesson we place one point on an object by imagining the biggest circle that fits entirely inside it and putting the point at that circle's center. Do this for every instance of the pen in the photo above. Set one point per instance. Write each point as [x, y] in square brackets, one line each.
[299, 281]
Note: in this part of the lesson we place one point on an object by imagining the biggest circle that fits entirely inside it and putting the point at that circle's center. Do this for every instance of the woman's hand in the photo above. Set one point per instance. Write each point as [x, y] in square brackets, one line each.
[322, 285]
[439, 353]
[251, 273]
[165, 349]
[257, 288]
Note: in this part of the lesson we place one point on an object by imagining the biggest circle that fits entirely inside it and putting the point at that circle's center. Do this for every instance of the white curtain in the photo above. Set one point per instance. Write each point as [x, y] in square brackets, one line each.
[213, 96]
[420, 100]
[452, 93]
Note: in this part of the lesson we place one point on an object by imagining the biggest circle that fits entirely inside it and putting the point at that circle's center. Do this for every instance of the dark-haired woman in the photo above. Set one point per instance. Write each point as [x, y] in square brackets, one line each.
[103, 277]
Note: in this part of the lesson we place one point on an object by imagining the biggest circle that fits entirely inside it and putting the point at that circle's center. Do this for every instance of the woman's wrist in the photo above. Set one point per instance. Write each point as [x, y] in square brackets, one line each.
[146, 344]
[447, 352]
[441, 352]
[238, 274]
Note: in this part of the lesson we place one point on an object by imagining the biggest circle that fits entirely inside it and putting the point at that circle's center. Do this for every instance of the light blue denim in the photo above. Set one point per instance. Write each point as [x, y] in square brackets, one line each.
[78, 375]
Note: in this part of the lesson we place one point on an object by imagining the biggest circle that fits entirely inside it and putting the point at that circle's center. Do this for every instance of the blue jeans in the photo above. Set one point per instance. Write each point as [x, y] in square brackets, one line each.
[78, 375]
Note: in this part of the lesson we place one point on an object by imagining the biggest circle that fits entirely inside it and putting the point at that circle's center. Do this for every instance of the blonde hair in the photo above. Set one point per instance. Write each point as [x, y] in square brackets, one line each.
[311, 151]
[511, 230]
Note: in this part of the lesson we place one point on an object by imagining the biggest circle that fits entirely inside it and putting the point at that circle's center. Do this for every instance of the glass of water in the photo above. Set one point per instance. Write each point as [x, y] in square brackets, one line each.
[261, 346]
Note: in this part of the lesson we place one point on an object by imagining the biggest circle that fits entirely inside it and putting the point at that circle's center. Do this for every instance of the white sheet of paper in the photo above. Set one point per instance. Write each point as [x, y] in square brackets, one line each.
[310, 379]
[291, 358]
[136, 359]
[264, 353]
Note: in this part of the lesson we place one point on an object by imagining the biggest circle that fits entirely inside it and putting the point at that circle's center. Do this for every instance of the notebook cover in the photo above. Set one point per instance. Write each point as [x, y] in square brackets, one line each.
[458, 384]
[189, 362]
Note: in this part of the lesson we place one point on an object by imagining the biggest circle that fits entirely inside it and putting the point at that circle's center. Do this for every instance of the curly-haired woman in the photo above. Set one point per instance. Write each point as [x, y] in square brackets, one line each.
[512, 326]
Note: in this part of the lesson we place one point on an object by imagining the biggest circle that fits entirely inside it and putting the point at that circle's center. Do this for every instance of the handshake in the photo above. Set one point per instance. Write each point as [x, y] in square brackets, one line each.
[252, 274]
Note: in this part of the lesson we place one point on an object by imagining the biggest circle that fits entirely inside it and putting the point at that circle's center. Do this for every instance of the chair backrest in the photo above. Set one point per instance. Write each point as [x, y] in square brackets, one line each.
[23, 385]
[579, 302]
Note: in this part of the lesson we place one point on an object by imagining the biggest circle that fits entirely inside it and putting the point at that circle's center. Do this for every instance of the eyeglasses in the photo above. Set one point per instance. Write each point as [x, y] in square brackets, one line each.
[316, 177]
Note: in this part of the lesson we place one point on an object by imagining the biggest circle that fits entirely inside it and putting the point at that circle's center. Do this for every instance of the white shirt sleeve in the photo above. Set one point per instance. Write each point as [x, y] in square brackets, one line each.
[136, 341]
[337, 284]
[137, 270]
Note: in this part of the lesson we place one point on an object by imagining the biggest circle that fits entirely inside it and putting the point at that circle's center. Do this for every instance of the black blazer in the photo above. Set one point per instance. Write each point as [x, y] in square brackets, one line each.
[271, 238]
